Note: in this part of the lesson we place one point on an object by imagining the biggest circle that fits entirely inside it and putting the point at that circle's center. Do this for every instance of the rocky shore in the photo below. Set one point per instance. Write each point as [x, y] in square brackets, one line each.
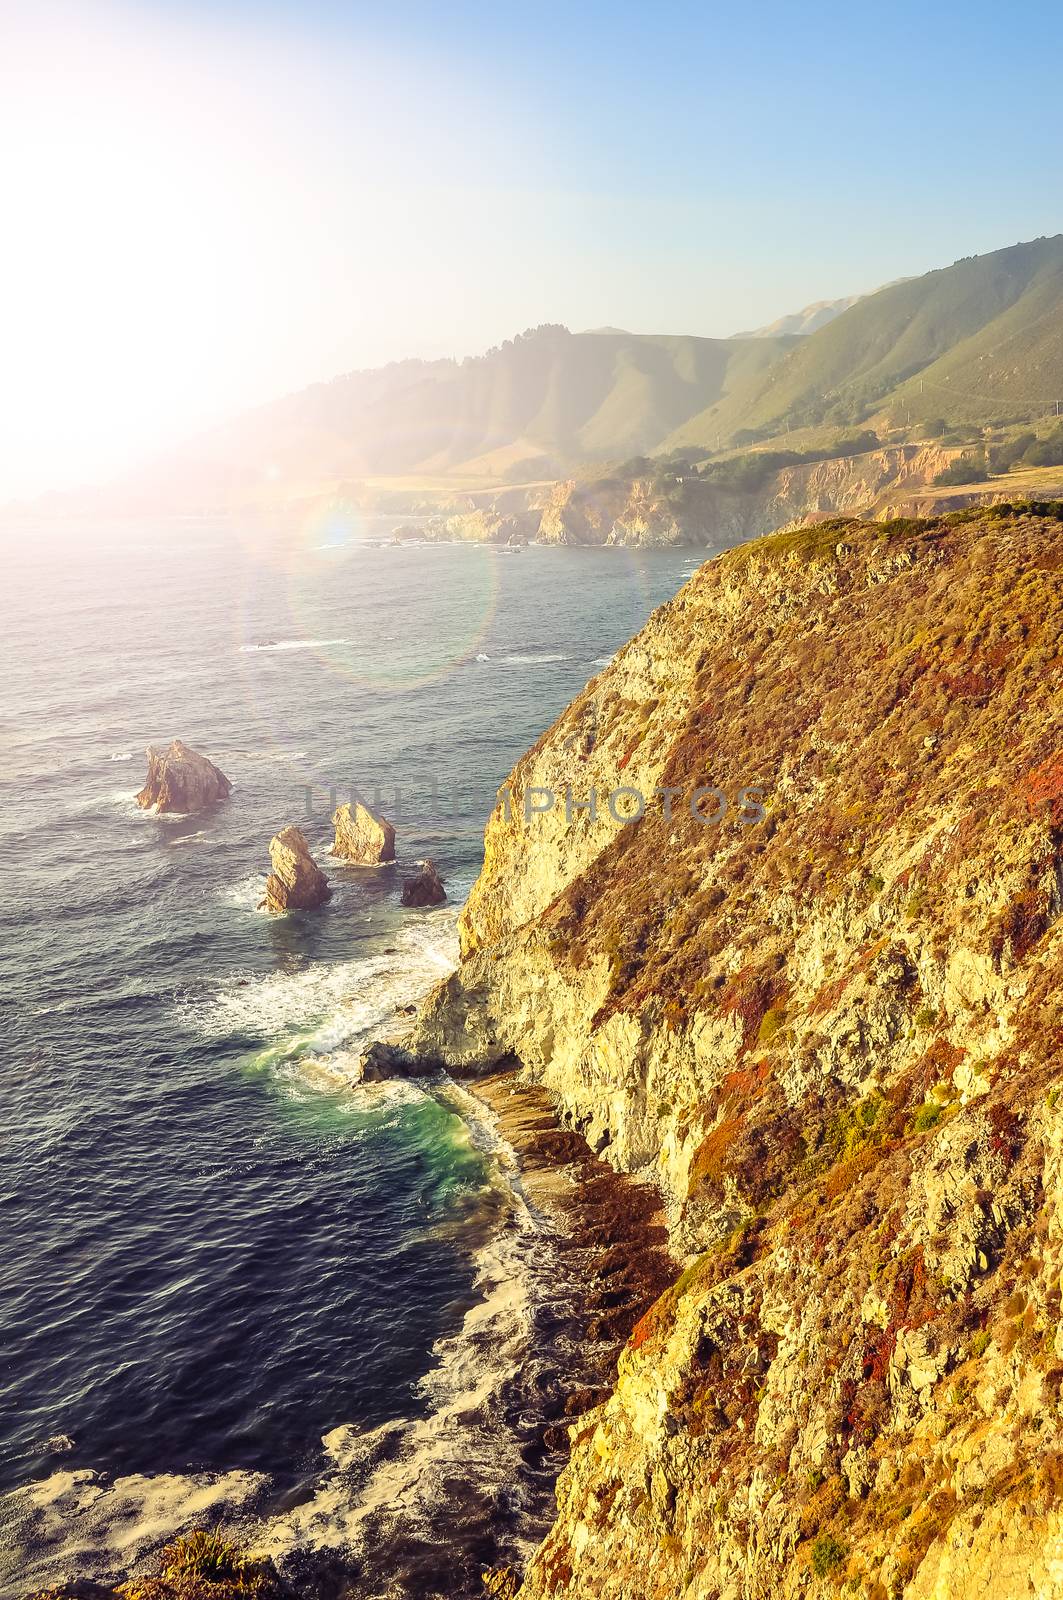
[653, 506]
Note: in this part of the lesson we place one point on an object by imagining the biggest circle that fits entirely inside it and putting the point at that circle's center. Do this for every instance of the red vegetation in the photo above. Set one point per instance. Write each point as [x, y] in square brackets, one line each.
[1043, 789]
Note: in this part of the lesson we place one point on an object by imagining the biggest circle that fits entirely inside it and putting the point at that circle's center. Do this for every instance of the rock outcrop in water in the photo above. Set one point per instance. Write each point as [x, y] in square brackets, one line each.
[362, 837]
[835, 1039]
[180, 779]
[489, 526]
[425, 888]
[296, 882]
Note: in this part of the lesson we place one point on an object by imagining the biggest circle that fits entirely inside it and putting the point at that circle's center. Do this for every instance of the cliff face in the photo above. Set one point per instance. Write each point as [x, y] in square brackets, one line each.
[831, 1031]
[697, 512]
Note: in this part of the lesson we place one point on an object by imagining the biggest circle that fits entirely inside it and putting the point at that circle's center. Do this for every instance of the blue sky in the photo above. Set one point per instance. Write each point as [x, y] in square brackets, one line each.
[217, 203]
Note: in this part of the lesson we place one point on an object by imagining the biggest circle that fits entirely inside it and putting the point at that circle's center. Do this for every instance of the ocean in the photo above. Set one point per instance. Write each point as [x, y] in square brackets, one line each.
[234, 1285]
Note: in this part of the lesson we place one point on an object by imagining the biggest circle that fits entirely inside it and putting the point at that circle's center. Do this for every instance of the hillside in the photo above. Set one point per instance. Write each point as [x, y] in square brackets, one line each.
[808, 320]
[663, 506]
[979, 341]
[974, 344]
[539, 401]
[833, 1032]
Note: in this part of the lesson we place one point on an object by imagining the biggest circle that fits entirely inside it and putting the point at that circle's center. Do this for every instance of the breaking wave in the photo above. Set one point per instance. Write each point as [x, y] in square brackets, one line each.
[533, 661]
[318, 1017]
[290, 644]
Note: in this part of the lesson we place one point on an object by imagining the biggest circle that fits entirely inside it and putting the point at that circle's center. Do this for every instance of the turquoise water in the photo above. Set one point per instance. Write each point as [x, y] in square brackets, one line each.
[217, 1250]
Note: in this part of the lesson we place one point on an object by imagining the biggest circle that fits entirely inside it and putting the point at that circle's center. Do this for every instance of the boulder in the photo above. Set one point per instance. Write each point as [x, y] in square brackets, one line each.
[179, 779]
[386, 1059]
[487, 526]
[362, 836]
[425, 888]
[296, 882]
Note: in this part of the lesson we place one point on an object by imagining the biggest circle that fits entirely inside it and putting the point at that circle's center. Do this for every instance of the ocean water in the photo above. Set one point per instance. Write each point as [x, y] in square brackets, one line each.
[232, 1282]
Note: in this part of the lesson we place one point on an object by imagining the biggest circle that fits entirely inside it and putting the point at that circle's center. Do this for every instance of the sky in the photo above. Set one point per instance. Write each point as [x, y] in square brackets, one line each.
[205, 206]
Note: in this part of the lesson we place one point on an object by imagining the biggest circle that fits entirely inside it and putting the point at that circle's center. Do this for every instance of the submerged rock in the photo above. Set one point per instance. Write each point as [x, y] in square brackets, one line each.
[425, 888]
[296, 882]
[180, 779]
[362, 836]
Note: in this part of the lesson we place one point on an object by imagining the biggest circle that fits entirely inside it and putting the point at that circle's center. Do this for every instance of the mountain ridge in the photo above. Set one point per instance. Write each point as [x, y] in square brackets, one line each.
[983, 337]
[975, 344]
[546, 397]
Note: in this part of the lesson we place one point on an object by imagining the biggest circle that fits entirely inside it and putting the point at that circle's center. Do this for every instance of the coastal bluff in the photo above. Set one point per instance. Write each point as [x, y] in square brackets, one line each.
[833, 1040]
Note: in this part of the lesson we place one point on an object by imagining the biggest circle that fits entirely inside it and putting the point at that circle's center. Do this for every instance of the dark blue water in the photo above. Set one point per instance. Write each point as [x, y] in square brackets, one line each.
[213, 1248]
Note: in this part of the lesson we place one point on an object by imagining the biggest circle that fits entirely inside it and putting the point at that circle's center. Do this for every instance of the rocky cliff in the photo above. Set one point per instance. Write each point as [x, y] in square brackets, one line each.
[804, 973]
[647, 511]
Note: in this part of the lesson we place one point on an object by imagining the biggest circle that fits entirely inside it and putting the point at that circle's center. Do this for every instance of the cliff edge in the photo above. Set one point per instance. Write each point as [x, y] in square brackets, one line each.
[773, 912]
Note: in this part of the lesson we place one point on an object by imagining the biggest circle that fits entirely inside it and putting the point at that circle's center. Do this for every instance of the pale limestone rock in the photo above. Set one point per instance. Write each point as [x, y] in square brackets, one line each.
[181, 780]
[363, 837]
[296, 882]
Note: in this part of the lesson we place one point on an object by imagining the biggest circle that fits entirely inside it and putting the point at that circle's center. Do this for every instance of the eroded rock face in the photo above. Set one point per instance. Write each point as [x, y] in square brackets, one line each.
[835, 1038]
[296, 882]
[362, 836]
[425, 888]
[655, 512]
[180, 779]
[494, 527]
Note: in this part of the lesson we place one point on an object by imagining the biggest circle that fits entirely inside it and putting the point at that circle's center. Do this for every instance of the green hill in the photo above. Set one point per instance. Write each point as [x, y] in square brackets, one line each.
[535, 405]
[976, 343]
[980, 341]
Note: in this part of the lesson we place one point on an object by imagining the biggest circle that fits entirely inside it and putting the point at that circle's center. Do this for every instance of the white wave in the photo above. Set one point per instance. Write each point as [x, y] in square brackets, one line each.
[320, 1013]
[82, 1523]
[125, 801]
[532, 661]
[123, 755]
[408, 1470]
[245, 895]
[603, 661]
[291, 644]
[482, 657]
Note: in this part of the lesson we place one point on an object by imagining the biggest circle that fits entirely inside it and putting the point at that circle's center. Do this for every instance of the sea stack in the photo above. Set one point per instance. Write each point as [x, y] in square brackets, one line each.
[425, 888]
[180, 779]
[296, 882]
[362, 836]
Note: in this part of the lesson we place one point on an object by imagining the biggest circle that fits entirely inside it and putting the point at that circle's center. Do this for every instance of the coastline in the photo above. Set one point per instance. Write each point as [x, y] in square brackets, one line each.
[610, 1244]
[576, 1254]
[418, 1510]
[616, 1216]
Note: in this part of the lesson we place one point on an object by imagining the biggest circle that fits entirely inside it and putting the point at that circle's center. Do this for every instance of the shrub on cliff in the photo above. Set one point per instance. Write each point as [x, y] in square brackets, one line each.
[968, 469]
